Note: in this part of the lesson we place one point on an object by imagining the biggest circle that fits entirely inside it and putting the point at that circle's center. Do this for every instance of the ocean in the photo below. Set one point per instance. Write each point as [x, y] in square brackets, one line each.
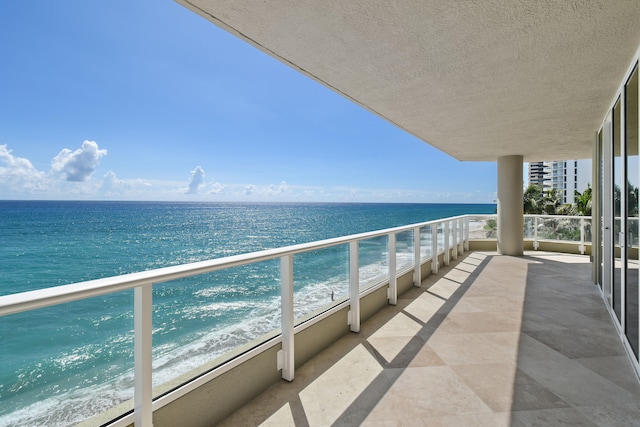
[66, 363]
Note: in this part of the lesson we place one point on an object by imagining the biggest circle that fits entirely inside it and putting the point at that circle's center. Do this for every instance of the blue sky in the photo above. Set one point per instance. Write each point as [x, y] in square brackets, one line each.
[145, 100]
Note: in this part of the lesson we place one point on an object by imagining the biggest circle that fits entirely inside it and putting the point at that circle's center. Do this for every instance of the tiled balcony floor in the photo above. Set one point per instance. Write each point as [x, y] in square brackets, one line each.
[488, 341]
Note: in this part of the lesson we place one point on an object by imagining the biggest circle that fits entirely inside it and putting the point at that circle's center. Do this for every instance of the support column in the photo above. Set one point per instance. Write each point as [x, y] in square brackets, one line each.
[510, 206]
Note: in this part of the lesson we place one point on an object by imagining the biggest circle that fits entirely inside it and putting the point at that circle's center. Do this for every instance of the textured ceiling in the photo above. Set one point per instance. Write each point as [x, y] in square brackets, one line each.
[476, 79]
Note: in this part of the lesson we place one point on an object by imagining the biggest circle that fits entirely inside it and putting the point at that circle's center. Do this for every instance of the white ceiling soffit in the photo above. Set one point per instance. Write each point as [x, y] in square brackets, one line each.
[475, 79]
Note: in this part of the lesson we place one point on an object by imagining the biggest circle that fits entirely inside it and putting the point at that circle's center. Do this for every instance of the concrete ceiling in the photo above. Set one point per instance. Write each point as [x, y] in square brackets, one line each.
[477, 79]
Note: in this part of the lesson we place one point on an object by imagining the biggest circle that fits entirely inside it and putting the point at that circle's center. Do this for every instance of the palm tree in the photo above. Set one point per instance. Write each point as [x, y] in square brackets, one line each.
[552, 201]
[583, 201]
[533, 203]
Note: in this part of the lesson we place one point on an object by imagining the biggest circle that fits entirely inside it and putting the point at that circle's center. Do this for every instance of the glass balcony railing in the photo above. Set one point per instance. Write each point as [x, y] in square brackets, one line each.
[231, 325]
[538, 228]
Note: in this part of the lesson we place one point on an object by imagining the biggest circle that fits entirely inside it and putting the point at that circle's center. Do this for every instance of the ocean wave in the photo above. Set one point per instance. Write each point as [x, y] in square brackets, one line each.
[194, 322]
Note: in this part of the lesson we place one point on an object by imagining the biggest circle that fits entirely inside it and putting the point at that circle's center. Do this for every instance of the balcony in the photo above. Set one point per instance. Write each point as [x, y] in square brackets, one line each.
[491, 340]
[445, 333]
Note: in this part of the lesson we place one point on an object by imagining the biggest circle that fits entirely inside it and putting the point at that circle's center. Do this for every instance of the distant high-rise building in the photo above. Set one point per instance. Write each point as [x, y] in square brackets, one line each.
[566, 176]
[536, 173]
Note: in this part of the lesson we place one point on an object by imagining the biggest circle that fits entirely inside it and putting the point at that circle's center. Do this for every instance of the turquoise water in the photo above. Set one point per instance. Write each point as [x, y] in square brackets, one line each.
[62, 364]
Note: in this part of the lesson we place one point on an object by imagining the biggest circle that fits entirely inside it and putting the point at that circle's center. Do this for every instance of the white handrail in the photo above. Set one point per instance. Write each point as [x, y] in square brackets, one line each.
[30, 300]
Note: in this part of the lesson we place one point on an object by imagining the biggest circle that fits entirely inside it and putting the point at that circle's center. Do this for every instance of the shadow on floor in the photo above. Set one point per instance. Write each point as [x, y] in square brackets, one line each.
[490, 340]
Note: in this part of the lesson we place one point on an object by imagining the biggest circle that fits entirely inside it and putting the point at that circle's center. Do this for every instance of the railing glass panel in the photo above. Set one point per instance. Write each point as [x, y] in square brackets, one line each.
[425, 242]
[440, 237]
[633, 226]
[587, 229]
[452, 224]
[198, 319]
[320, 278]
[90, 372]
[404, 249]
[559, 228]
[374, 259]
[483, 226]
[529, 228]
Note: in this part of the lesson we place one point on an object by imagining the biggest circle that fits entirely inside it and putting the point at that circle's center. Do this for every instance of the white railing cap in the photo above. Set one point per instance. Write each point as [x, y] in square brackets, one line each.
[30, 300]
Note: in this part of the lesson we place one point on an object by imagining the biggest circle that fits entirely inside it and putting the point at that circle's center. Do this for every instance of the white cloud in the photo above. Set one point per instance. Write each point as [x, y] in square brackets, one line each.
[196, 181]
[18, 171]
[77, 166]
[216, 188]
[278, 189]
[19, 179]
[112, 185]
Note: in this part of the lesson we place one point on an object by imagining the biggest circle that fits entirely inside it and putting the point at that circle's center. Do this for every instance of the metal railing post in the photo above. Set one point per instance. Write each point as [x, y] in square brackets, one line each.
[286, 356]
[581, 247]
[454, 237]
[535, 233]
[142, 348]
[354, 287]
[393, 281]
[465, 243]
[446, 242]
[417, 270]
[434, 248]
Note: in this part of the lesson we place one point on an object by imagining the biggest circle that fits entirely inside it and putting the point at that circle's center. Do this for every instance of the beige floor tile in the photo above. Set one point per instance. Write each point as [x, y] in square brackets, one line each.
[457, 276]
[445, 287]
[616, 369]
[472, 260]
[398, 325]
[475, 420]
[497, 304]
[392, 348]
[467, 323]
[551, 417]
[503, 387]
[613, 415]
[427, 392]
[576, 384]
[425, 306]
[469, 268]
[580, 343]
[479, 348]
[532, 349]
[282, 417]
[425, 356]
[326, 398]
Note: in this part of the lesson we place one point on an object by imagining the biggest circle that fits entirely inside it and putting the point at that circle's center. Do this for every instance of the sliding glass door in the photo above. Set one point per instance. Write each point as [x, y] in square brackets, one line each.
[620, 178]
[630, 296]
[617, 248]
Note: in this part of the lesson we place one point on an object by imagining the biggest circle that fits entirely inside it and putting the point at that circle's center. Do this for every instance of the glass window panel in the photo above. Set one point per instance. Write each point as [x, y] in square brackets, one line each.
[599, 201]
[618, 184]
[631, 287]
